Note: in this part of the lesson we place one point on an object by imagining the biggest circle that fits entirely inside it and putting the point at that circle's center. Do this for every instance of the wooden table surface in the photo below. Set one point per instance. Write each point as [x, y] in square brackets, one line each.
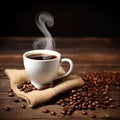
[88, 54]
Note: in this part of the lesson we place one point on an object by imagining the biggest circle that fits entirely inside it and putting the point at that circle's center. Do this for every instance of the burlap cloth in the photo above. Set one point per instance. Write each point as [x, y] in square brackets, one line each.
[37, 97]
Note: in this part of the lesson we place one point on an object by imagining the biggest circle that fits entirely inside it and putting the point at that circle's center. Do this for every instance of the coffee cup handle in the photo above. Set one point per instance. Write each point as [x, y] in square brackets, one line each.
[70, 68]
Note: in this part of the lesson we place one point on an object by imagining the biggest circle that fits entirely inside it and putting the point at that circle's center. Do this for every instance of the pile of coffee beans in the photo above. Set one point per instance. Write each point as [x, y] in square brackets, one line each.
[26, 86]
[95, 93]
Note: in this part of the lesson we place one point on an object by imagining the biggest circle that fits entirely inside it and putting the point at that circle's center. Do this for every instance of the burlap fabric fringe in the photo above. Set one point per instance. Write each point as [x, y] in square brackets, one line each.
[36, 97]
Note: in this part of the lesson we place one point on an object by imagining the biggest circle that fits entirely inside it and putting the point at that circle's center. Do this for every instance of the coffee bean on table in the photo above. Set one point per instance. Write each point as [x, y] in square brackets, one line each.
[46, 111]
[10, 90]
[16, 100]
[118, 87]
[22, 106]
[7, 108]
[64, 112]
[53, 113]
[113, 106]
[93, 116]
[69, 113]
[10, 94]
[118, 104]
[84, 113]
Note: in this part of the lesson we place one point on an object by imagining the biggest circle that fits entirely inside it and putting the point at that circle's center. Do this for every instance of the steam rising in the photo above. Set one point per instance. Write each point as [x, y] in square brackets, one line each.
[47, 42]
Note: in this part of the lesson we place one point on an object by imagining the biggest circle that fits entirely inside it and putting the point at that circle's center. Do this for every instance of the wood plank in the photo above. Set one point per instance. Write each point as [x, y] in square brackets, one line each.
[26, 43]
[80, 57]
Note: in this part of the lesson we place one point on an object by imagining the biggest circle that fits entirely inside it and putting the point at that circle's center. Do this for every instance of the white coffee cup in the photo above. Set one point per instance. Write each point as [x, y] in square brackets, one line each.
[43, 72]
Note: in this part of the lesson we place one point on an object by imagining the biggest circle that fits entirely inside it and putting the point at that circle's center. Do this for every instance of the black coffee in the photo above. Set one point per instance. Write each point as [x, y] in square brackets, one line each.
[42, 56]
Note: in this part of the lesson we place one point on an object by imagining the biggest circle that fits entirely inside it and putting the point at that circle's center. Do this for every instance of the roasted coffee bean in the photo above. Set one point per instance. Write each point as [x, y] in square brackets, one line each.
[73, 91]
[67, 99]
[53, 113]
[62, 104]
[90, 106]
[93, 116]
[19, 86]
[110, 100]
[64, 112]
[84, 113]
[24, 82]
[16, 100]
[7, 108]
[118, 104]
[61, 100]
[97, 106]
[69, 113]
[103, 106]
[22, 106]
[46, 111]
[10, 90]
[10, 94]
[84, 107]
[58, 103]
[118, 87]
[28, 82]
[113, 106]
[21, 89]
[51, 85]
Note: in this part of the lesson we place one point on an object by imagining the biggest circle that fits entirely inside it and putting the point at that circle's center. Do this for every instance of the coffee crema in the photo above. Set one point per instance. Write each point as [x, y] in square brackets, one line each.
[41, 56]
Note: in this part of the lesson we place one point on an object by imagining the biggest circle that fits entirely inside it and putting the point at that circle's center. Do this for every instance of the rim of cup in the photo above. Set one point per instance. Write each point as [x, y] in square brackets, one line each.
[50, 52]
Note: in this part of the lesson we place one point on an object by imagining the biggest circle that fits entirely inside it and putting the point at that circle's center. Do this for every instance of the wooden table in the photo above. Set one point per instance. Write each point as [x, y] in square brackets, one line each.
[88, 54]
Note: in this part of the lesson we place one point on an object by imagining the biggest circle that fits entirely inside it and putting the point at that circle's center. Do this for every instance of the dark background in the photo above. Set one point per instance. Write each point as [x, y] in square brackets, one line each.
[72, 18]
